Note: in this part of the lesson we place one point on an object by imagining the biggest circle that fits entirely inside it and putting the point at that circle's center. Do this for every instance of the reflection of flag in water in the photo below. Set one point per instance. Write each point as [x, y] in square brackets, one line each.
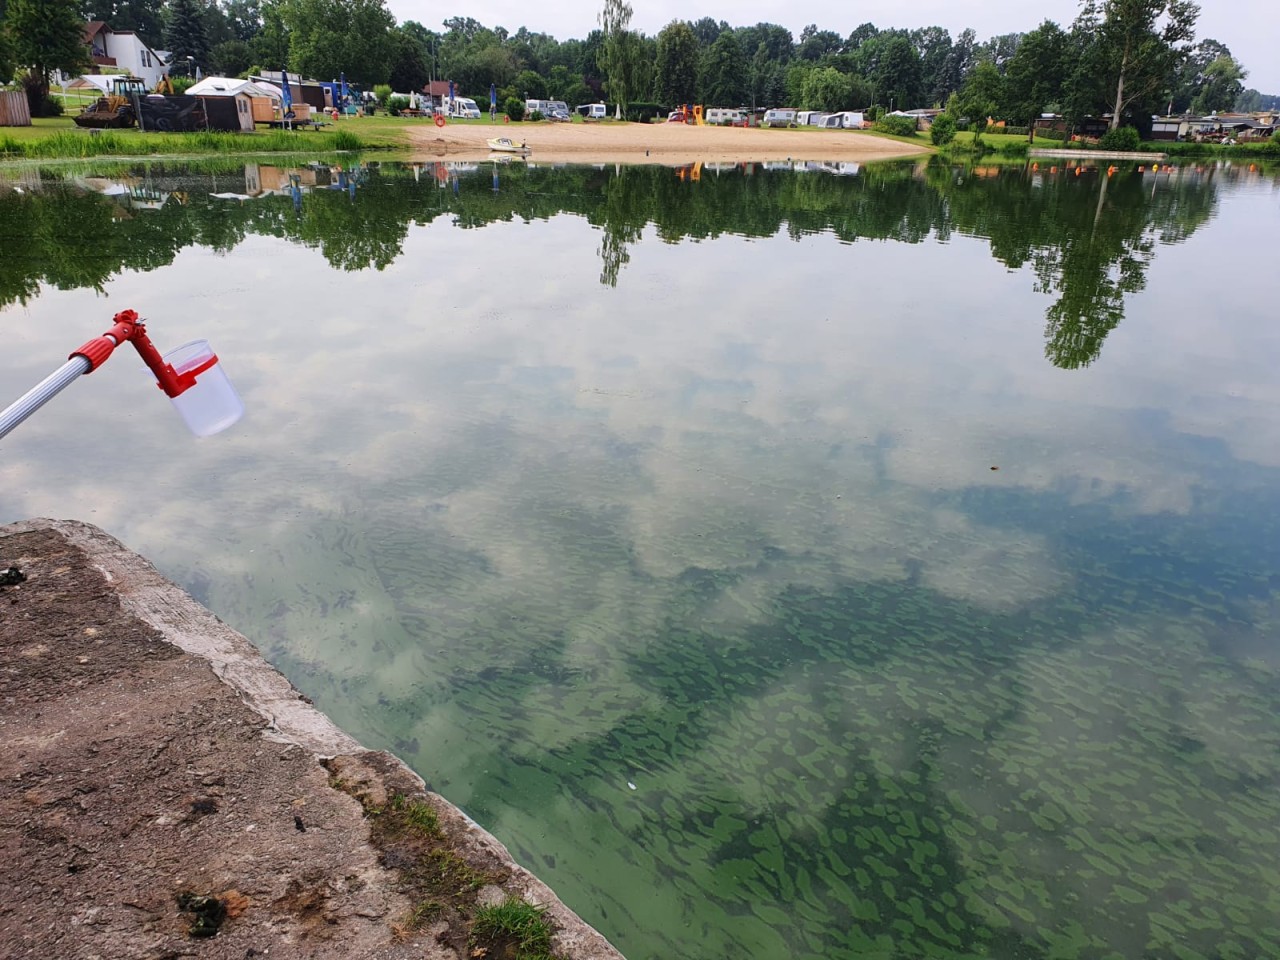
[495, 178]
[288, 97]
[295, 191]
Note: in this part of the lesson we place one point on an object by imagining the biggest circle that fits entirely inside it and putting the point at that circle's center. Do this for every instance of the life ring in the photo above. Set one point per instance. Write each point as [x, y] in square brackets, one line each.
[439, 119]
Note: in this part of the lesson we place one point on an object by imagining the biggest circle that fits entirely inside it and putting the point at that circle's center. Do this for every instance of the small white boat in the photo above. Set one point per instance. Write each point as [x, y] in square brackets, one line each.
[507, 145]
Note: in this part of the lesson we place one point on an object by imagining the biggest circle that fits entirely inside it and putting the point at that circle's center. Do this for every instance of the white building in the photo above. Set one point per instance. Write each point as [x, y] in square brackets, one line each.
[124, 51]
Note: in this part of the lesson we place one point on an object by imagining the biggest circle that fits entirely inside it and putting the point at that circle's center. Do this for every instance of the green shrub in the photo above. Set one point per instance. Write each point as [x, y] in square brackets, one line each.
[182, 84]
[645, 111]
[9, 146]
[534, 116]
[1018, 149]
[52, 107]
[1009, 131]
[396, 104]
[1122, 138]
[514, 108]
[1050, 134]
[898, 126]
[873, 113]
[1272, 146]
[383, 92]
[943, 130]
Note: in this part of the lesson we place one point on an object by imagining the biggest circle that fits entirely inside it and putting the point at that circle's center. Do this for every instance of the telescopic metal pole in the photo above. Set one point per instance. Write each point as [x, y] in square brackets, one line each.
[42, 393]
[90, 356]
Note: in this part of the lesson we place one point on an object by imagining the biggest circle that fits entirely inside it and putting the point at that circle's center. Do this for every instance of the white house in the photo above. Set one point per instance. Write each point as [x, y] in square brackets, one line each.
[124, 51]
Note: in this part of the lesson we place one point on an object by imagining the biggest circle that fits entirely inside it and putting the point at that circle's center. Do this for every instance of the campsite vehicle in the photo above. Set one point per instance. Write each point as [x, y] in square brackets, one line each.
[809, 118]
[116, 108]
[721, 115]
[593, 111]
[463, 108]
[779, 117]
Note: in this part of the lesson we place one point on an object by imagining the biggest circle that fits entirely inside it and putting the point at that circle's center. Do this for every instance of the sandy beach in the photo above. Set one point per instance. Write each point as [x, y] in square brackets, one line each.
[665, 143]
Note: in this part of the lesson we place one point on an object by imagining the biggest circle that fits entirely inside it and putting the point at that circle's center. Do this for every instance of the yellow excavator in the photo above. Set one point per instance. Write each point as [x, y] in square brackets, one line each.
[116, 108]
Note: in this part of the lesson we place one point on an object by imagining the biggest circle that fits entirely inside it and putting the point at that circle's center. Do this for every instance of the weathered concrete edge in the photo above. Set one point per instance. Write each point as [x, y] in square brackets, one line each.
[190, 626]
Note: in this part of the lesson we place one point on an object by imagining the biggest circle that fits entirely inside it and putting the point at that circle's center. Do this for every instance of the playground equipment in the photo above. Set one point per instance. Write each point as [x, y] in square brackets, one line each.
[190, 377]
[687, 113]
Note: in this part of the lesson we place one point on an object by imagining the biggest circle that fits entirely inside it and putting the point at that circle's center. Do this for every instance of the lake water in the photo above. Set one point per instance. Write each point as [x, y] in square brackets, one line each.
[820, 563]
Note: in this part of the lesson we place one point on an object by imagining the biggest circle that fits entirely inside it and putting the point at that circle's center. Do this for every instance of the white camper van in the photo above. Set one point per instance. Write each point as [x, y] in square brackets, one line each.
[464, 108]
[779, 117]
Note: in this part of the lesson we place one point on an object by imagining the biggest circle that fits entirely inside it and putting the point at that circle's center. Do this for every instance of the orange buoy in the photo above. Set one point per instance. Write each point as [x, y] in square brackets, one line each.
[439, 119]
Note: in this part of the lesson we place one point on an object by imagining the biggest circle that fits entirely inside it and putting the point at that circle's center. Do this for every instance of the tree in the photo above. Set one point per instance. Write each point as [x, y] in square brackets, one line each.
[410, 67]
[231, 58]
[826, 88]
[6, 56]
[331, 37]
[46, 35]
[1036, 74]
[1222, 86]
[244, 17]
[532, 86]
[816, 44]
[980, 97]
[614, 55]
[184, 32]
[677, 65]
[1192, 73]
[933, 44]
[271, 45]
[1000, 50]
[897, 76]
[1142, 43]
[707, 30]
[724, 73]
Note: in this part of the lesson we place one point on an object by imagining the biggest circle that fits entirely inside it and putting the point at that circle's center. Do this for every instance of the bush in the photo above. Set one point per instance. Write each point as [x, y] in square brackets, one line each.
[514, 108]
[52, 107]
[1014, 131]
[383, 92]
[535, 116]
[1272, 146]
[1015, 149]
[182, 84]
[1122, 138]
[644, 112]
[898, 126]
[396, 104]
[872, 113]
[1050, 134]
[943, 130]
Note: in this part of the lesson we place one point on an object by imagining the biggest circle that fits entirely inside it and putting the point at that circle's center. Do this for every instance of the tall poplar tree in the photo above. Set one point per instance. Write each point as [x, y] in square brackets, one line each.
[1142, 44]
[615, 52]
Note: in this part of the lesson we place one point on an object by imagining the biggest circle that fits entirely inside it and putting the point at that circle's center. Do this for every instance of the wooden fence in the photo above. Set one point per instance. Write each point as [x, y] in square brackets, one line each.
[13, 109]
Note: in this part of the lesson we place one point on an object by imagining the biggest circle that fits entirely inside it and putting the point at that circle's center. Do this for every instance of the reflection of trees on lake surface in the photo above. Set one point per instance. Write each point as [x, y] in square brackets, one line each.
[1087, 238]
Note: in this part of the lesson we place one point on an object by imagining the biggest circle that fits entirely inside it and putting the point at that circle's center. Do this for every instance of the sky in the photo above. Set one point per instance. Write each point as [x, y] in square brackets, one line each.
[1250, 28]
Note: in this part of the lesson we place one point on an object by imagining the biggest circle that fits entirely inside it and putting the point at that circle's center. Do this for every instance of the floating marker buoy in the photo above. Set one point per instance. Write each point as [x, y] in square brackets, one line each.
[1142, 170]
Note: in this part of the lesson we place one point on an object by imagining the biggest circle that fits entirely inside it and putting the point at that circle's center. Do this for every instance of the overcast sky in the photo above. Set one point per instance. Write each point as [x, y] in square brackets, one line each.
[1250, 28]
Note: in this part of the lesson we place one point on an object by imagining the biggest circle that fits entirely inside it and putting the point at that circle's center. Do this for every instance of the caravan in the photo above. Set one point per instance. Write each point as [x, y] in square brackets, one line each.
[592, 111]
[718, 116]
[779, 117]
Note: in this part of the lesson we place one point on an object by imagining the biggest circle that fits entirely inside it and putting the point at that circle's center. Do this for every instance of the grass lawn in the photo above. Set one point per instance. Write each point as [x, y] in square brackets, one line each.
[997, 140]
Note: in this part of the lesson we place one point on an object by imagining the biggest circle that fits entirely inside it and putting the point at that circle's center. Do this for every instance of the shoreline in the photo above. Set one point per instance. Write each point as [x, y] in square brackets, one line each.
[157, 760]
[659, 143]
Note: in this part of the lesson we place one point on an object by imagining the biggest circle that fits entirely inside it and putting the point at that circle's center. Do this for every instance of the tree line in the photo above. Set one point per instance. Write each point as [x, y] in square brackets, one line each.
[1129, 58]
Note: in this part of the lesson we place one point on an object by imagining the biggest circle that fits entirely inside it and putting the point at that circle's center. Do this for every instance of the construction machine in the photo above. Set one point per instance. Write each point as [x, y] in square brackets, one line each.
[117, 108]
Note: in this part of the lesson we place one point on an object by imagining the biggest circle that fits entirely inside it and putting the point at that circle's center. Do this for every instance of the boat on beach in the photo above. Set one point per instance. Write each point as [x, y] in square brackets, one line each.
[507, 145]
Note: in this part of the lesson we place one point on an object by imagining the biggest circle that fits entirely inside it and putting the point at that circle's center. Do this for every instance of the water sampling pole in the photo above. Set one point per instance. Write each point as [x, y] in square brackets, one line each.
[189, 376]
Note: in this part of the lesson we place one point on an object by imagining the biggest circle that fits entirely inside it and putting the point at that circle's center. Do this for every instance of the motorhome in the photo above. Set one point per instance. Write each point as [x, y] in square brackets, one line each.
[779, 117]
[463, 108]
[593, 111]
[721, 115]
